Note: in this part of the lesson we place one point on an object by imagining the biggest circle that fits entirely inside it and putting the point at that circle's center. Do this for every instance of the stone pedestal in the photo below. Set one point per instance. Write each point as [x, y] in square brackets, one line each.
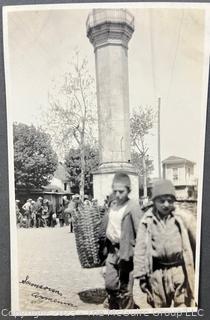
[102, 181]
[109, 30]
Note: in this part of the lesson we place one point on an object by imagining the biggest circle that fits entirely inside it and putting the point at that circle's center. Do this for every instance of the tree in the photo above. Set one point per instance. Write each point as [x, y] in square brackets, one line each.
[72, 116]
[34, 159]
[73, 165]
[137, 161]
[141, 123]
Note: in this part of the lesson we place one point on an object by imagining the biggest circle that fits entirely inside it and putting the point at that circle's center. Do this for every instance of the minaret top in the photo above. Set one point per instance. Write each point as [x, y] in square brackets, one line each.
[110, 26]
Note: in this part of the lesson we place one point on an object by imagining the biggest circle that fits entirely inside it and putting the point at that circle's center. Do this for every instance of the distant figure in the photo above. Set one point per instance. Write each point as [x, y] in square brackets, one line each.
[106, 201]
[65, 201]
[66, 213]
[33, 214]
[71, 210]
[18, 213]
[54, 220]
[46, 213]
[60, 212]
[38, 212]
[51, 212]
[27, 212]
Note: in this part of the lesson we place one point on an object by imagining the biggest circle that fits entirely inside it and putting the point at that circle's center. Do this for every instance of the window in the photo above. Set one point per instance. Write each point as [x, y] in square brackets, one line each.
[175, 174]
[65, 186]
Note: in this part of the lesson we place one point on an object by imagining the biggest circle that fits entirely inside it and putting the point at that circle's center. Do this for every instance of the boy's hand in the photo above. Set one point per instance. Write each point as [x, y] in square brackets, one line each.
[145, 287]
[143, 283]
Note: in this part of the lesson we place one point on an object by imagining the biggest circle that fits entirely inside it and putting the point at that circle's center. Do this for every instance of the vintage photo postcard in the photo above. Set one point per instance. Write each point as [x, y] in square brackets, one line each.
[106, 117]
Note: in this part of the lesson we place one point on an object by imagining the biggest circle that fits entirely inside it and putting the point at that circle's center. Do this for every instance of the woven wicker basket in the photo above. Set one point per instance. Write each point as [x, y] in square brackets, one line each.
[87, 223]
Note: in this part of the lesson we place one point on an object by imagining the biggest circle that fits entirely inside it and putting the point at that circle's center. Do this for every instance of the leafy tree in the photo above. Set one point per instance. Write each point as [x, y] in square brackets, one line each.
[141, 123]
[72, 115]
[73, 165]
[34, 159]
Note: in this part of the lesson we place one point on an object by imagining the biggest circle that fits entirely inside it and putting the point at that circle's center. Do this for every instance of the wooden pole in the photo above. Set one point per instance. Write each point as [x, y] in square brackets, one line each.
[144, 176]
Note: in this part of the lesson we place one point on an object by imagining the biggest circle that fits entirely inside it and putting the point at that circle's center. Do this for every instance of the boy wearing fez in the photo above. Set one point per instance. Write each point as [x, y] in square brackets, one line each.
[119, 228]
[164, 251]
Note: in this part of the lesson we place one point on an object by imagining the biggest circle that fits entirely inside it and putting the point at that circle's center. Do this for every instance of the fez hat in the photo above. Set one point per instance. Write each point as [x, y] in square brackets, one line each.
[163, 187]
[122, 178]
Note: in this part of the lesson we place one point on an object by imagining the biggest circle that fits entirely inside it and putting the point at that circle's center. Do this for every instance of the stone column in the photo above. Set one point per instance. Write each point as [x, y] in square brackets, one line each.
[109, 30]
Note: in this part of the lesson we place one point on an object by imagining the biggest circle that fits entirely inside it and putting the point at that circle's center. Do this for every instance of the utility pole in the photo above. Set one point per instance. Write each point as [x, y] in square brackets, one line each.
[144, 175]
[159, 156]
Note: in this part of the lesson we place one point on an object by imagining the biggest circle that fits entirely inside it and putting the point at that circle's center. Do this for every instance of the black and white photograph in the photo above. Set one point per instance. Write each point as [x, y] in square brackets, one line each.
[106, 119]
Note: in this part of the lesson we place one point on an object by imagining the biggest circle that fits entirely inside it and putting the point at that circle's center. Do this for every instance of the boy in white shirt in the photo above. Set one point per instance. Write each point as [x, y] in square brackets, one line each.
[120, 226]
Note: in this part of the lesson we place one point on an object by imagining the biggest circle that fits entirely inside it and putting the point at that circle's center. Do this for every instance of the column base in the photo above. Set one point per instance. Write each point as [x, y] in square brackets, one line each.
[103, 177]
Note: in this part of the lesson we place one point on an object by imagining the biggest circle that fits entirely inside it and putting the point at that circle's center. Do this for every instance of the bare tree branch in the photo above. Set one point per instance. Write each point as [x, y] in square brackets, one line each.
[72, 114]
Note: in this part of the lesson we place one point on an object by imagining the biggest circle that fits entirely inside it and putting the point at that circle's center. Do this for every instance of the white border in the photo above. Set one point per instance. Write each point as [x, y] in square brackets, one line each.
[13, 229]
[12, 213]
[80, 6]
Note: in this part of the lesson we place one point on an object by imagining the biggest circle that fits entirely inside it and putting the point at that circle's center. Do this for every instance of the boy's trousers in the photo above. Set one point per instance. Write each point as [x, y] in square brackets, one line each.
[119, 281]
[168, 287]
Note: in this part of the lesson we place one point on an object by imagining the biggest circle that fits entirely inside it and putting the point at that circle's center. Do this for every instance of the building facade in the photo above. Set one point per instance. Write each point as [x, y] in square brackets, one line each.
[182, 173]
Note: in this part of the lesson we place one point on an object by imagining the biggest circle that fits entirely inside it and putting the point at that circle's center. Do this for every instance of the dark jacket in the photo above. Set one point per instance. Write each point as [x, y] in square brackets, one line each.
[129, 227]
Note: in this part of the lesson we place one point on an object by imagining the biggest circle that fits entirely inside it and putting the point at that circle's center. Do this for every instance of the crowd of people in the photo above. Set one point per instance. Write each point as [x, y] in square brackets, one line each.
[42, 213]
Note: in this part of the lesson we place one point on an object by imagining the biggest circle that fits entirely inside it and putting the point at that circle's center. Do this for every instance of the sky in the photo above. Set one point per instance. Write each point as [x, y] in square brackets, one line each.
[165, 59]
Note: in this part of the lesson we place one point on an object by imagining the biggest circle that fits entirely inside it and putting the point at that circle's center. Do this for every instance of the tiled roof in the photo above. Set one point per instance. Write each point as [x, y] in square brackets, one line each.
[175, 159]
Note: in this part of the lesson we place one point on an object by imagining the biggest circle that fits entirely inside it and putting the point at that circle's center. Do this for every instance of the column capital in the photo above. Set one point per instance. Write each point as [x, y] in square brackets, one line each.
[110, 27]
